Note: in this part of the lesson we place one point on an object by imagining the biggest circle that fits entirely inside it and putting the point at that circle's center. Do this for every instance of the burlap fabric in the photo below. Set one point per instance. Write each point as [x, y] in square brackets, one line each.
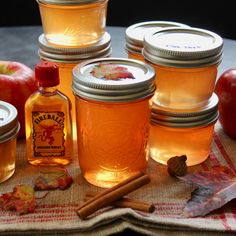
[55, 214]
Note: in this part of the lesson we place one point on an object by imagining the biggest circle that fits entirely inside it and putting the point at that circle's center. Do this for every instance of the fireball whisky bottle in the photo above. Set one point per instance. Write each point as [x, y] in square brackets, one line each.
[48, 120]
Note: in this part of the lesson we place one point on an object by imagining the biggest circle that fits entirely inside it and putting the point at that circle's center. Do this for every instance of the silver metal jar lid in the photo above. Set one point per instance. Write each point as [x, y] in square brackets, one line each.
[183, 47]
[88, 86]
[187, 118]
[68, 2]
[9, 125]
[134, 34]
[56, 53]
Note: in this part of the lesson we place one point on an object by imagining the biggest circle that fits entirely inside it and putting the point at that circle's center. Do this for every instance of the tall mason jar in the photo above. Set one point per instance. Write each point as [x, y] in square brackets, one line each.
[112, 113]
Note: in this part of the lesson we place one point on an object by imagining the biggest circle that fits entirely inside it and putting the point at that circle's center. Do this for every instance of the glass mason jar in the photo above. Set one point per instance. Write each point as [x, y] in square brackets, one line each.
[186, 62]
[9, 129]
[182, 132]
[112, 110]
[73, 22]
[67, 58]
[134, 35]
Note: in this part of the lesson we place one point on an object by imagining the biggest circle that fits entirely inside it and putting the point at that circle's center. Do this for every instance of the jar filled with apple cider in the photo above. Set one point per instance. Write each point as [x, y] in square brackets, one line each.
[66, 58]
[73, 22]
[134, 35]
[9, 129]
[112, 111]
[182, 132]
[186, 62]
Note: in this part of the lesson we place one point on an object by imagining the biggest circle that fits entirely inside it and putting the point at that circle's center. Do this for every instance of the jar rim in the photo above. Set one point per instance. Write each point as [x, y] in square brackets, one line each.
[120, 90]
[183, 47]
[48, 51]
[134, 34]
[200, 116]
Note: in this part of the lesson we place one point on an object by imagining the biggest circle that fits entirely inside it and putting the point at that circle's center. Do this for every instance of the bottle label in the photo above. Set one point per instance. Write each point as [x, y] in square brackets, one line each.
[48, 134]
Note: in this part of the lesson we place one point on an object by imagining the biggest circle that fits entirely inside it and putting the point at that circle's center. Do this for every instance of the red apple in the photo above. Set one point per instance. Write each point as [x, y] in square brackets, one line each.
[226, 91]
[17, 83]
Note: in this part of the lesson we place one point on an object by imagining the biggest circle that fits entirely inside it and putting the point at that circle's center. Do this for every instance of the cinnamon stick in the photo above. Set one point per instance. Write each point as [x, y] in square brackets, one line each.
[128, 203]
[112, 194]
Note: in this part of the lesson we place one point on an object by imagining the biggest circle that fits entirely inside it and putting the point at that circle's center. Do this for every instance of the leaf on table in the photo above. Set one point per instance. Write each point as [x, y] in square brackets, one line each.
[54, 178]
[22, 200]
[214, 189]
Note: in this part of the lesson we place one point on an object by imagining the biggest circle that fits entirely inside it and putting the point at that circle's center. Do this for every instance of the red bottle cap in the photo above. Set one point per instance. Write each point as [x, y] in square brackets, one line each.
[47, 74]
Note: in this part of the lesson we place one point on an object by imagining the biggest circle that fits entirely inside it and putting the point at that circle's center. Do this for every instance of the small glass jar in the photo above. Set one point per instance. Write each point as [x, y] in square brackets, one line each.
[73, 22]
[182, 132]
[67, 58]
[134, 35]
[186, 62]
[112, 133]
[9, 129]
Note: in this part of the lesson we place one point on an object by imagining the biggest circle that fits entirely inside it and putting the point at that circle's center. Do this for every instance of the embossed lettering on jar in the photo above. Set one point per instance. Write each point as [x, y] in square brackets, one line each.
[112, 110]
[186, 62]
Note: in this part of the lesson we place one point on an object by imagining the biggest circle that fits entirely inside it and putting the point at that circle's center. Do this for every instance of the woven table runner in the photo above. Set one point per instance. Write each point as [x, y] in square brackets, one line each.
[56, 213]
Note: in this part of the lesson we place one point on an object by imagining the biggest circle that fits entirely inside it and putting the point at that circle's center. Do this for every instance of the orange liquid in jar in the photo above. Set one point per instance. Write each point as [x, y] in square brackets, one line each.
[136, 56]
[73, 25]
[57, 103]
[180, 88]
[166, 142]
[7, 159]
[112, 140]
[65, 86]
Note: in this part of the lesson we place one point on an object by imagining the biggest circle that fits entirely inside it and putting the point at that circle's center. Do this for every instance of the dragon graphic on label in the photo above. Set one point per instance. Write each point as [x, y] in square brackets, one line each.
[47, 133]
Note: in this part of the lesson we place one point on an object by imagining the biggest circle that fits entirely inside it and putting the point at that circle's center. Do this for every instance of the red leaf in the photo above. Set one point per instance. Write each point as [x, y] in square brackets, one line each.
[53, 179]
[111, 72]
[22, 200]
[215, 188]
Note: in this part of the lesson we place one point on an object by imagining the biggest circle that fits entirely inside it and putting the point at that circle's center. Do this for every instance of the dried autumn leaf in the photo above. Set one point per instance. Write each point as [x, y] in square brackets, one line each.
[111, 72]
[53, 179]
[22, 200]
[215, 188]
